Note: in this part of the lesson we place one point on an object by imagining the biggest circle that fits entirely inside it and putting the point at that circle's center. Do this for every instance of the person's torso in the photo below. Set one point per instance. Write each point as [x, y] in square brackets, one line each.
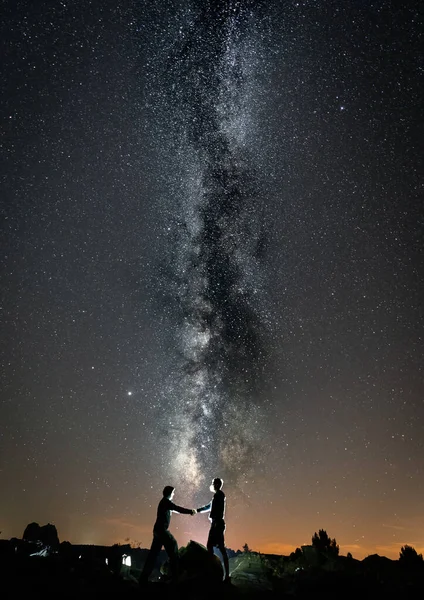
[163, 517]
[218, 506]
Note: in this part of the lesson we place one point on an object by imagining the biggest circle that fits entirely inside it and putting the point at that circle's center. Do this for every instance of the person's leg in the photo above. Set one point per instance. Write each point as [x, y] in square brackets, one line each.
[151, 559]
[219, 541]
[211, 542]
[171, 548]
[223, 551]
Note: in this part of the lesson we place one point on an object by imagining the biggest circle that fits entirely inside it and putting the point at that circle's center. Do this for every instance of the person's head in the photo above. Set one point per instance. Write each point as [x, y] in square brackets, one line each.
[216, 484]
[168, 492]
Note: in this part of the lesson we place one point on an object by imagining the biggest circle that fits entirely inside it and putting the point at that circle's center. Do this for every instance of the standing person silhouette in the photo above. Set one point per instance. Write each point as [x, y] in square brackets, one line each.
[216, 533]
[163, 537]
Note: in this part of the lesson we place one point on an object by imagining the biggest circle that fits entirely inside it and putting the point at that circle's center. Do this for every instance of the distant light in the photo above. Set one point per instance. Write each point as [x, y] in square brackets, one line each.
[129, 393]
[126, 560]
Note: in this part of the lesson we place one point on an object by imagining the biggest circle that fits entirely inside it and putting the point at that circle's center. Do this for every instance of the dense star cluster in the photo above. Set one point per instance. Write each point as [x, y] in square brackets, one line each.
[214, 261]
[211, 266]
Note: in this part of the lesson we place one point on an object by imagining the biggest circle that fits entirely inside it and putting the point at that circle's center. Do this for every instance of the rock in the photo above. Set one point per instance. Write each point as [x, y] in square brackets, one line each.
[32, 533]
[197, 565]
[47, 534]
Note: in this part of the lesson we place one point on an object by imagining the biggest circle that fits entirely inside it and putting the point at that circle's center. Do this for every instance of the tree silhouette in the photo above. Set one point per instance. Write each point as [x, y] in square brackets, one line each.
[409, 557]
[246, 549]
[322, 542]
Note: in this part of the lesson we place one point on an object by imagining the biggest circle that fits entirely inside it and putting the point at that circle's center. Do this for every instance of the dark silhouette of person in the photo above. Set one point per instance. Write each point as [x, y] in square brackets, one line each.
[163, 537]
[217, 513]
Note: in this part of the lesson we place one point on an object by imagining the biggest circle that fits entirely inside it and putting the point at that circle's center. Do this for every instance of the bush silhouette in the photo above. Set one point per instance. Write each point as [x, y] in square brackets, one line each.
[409, 557]
[322, 542]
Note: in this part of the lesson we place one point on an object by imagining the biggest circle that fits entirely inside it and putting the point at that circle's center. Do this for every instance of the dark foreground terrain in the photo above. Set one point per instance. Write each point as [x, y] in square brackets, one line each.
[252, 576]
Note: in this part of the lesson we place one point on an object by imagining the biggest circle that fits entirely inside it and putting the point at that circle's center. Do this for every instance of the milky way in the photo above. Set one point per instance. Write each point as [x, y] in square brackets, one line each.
[217, 248]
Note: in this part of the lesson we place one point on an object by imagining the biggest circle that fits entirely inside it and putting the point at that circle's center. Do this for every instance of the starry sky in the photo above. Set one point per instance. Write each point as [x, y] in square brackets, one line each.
[211, 259]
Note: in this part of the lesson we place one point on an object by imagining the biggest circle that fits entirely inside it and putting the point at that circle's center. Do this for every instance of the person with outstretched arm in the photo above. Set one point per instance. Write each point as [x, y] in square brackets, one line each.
[216, 507]
[163, 537]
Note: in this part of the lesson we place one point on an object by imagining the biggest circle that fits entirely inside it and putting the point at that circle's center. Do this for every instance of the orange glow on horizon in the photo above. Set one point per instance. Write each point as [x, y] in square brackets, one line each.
[385, 540]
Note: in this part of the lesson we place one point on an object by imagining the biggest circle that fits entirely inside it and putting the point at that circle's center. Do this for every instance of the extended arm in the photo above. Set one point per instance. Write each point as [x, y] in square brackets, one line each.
[205, 508]
[180, 509]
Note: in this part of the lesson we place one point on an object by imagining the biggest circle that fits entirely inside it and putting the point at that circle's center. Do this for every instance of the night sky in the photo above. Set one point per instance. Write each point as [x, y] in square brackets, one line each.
[211, 262]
